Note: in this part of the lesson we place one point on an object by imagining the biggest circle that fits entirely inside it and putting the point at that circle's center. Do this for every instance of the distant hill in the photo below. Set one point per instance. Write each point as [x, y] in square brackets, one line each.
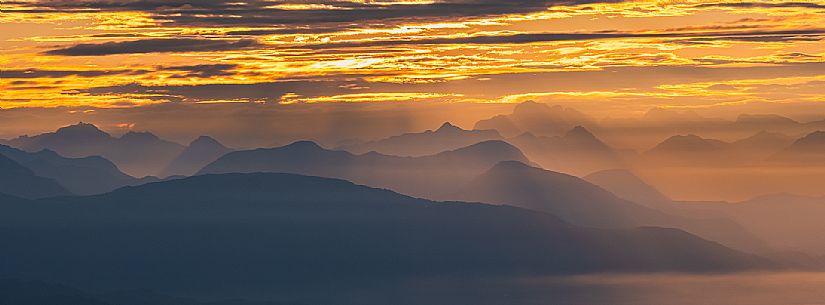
[82, 176]
[428, 176]
[810, 148]
[276, 232]
[536, 118]
[137, 153]
[199, 153]
[786, 221]
[627, 185]
[566, 196]
[17, 180]
[582, 203]
[578, 151]
[447, 137]
[772, 122]
[691, 149]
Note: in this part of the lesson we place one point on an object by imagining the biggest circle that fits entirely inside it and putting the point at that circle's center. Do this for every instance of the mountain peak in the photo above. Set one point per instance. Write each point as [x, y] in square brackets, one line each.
[579, 132]
[81, 130]
[814, 139]
[206, 141]
[689, 142]
[304, 145]
[531, 106]
[447, 126]
[139, 135]
[490, 146]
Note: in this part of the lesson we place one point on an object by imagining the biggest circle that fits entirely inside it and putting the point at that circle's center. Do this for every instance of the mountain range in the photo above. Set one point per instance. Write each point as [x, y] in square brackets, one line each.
[81, 176]
[199, 153]
[578, 151]
[136, 153]
[808, 149]
[432, 176]
[536, 118]
[279, 233]
[581, 203]
[447, 137]
[17, 180]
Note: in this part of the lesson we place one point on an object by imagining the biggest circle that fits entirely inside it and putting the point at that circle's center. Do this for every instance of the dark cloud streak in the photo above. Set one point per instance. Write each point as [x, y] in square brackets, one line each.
[155, 46]
[228, 13]
[760, 36]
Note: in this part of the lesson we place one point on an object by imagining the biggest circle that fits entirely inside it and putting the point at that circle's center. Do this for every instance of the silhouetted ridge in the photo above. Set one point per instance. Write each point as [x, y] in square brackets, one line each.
[688, 143]
[283, 230]
[199, 153]
[304, 146]
[428, 176]
[139, 136]
[81, 131]
[578, 151]
[538, 118]
[82, 176]
[810, 148]
[627, 185]
[490, 148]
[20, 181]
[137, 153]
[814, 142]
[448, 127]
[569, 197]
[446, 137]
[206, 141]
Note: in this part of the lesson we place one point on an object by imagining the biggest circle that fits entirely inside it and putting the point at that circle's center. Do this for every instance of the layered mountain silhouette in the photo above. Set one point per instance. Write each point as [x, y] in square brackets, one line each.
[690, 149]
[626, 185]
[536, 118]
[785, 221]
[771, 122]
[578, 151]
[137, 153]
[17, 180]
[447, 137]
[427, 176]
[582, 203]
[280, 231]
[762, 144]
[82, 176]
[810, 148]
[199, 153]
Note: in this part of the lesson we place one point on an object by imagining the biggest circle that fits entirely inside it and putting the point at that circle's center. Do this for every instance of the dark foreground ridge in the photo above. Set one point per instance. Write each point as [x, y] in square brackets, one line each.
[275, 231]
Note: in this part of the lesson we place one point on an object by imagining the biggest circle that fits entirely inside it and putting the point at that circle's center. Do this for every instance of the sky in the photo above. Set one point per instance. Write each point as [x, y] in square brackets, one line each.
[151, 63]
